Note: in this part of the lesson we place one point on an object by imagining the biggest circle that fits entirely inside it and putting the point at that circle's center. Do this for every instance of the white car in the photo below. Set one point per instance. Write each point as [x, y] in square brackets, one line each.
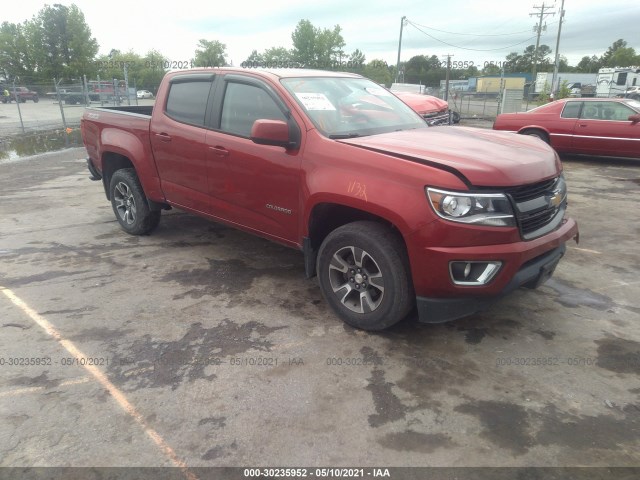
[144, 94]
[633, 92]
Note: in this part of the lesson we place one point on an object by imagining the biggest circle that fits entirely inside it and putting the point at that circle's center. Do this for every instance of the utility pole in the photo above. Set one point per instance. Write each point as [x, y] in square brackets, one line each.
[446, 82]
[556, 67]
[542, 13]
[402, 23]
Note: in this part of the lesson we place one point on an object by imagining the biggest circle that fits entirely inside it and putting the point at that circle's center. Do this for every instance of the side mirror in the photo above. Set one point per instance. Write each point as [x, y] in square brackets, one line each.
[634, 118]
[270, 132]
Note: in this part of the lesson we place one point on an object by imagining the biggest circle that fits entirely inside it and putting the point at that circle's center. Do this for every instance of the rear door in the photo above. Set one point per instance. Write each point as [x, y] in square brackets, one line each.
[604, 129]
[256, 186]
[178, 138]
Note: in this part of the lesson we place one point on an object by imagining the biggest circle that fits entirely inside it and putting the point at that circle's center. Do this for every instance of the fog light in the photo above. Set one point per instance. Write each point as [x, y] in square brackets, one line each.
[473, 272]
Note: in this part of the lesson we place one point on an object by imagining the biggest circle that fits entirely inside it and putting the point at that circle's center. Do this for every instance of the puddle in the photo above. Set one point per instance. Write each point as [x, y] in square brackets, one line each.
[573, 297]
[15, 147]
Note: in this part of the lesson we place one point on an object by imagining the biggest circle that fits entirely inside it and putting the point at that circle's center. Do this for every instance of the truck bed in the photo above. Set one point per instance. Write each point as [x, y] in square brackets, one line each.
[100, 127]
[145, 110]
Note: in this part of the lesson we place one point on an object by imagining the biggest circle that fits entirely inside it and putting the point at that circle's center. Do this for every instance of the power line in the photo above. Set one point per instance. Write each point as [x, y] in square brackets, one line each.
[472, 34]
[465, 48]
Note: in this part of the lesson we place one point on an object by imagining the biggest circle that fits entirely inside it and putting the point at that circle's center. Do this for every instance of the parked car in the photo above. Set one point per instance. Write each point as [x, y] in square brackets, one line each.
[590, 126]
[433, 109]
[633, 92]
[387, 212]
[144, 94]
[22, 94]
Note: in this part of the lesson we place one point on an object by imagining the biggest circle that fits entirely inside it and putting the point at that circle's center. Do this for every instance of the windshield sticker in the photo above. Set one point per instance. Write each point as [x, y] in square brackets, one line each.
[315, 101]
[377, 91]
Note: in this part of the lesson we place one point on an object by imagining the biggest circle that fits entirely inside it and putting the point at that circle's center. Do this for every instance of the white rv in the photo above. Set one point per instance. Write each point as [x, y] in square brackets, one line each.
[614, 82]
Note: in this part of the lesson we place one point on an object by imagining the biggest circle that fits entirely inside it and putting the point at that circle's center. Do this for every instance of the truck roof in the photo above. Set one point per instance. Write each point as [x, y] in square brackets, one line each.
[270, 72]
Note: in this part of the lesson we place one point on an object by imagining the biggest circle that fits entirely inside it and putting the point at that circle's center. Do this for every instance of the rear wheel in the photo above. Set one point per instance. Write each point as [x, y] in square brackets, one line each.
[363, 272]
[130, 203]
[537, 133]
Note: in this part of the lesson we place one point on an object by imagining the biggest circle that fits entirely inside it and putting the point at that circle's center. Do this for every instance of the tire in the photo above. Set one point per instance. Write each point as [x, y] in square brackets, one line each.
[36, 99]
[130, 203]
[455, 117]
[355, 254]
[537, 133]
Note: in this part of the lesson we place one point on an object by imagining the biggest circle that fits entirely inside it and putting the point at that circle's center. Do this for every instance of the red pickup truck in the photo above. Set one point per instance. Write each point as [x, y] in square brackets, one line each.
[389, 213]
[20, 94]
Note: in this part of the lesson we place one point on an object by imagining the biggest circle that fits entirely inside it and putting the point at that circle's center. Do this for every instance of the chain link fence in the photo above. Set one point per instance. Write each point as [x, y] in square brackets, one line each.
[40, 117]
[35, 107]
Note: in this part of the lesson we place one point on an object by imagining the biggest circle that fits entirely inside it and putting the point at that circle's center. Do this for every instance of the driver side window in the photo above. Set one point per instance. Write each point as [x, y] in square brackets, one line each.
[244, 104]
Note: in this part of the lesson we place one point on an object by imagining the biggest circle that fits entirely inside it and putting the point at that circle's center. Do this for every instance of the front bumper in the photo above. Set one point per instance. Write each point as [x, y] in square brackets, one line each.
[525, 264]
[436, 118]
[531, 275]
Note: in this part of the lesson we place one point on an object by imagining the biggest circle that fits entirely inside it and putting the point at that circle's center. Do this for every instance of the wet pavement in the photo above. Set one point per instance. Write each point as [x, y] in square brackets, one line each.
[211, 348]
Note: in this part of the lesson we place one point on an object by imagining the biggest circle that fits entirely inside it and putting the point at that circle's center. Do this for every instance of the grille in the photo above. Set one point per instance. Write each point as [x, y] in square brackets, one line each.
[529, 192]
[536, 215]
[533, 222]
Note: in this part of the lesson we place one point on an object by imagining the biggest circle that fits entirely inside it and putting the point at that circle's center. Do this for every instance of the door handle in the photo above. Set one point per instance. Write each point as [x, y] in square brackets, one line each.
[582, 125]
[164, 137]
[220, 151]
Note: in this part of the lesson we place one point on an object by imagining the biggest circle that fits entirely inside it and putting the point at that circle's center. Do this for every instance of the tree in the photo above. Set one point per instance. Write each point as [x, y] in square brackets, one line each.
[379, 72]
[357, 58]
[329, 44]
[60, 44]
[304, 42]
[493, 69]
[424, 70]
[589, 64]
[275, 55]
[152, 71]
[56, 42]
[254, 58]
[315, 47]
[517, 63]
[619, 55]
[14, 55]
[142, 72]
[210, 53]
[563, 65]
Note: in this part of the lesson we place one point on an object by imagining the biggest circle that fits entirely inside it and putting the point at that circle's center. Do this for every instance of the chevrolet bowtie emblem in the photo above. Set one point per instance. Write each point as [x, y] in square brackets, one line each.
[556, 199]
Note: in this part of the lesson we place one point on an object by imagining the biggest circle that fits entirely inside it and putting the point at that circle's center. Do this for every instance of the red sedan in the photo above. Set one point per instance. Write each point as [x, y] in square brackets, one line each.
[591, 126]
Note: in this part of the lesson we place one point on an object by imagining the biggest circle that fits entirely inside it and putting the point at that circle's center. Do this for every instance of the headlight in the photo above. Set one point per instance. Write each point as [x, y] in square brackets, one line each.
[492, 209]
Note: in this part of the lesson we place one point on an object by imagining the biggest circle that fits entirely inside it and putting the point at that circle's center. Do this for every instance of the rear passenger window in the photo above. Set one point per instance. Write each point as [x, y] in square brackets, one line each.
[571, 110]
[187, 101]
[244, 104]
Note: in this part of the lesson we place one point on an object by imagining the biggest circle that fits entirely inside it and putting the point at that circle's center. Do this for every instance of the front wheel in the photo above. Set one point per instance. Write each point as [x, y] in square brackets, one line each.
[36, 99]
[130, 203]
[363, 272]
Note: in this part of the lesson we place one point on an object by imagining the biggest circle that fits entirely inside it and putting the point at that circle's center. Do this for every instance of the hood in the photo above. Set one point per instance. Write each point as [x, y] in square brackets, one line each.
[479, 157]
[423, 103]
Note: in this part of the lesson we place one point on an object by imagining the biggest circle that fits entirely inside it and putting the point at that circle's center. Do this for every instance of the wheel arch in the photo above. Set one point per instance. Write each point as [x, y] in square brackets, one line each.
[528, 128]
[325, 217]
[111, 162]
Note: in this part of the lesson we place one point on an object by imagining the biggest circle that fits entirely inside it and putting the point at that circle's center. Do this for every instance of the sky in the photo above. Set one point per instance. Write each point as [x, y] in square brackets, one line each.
[470, 30]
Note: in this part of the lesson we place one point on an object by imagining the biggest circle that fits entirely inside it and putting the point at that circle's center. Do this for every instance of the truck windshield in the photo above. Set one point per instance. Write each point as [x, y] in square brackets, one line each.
[342, 107]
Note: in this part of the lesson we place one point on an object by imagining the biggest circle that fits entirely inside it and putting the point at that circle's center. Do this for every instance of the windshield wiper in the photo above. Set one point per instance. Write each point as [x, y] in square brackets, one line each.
[339, 136]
